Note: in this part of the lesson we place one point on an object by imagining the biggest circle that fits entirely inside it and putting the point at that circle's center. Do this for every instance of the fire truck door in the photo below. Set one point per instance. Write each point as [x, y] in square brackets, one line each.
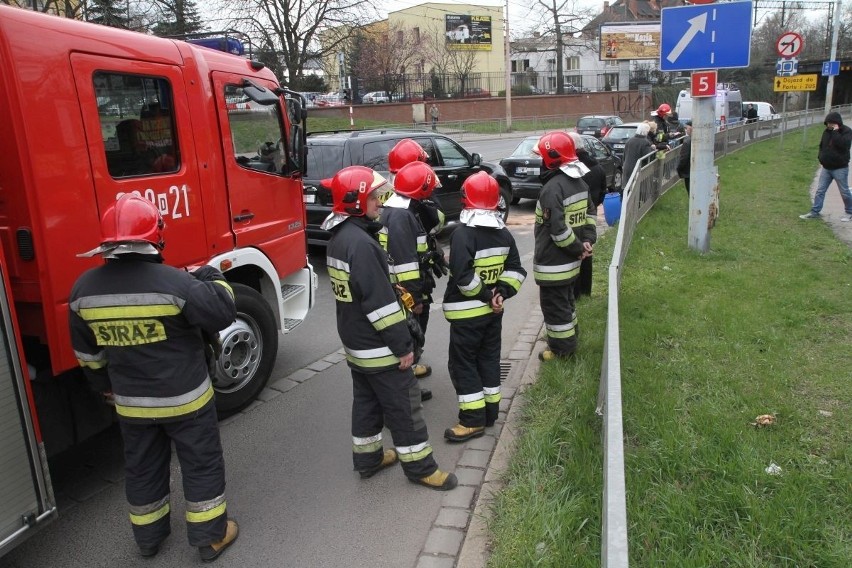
[138, 129]
[26, 498]
[266, 205]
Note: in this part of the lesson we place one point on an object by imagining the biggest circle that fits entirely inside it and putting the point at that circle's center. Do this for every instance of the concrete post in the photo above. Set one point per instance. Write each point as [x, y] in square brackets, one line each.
[702, 173]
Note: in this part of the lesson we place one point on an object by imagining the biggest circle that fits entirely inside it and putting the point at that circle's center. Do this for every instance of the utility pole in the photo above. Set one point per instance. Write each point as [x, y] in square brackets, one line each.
[508, 66]
[829, 89]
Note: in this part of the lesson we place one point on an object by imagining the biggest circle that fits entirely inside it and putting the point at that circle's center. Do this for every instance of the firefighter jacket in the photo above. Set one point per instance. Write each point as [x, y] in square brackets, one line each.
[406, 243]
[564, 219]
[144, 323]
[370, 321]
[482, 259]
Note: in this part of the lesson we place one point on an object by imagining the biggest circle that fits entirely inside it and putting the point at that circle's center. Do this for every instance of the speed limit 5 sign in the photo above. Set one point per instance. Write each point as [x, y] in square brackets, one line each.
[704, 84]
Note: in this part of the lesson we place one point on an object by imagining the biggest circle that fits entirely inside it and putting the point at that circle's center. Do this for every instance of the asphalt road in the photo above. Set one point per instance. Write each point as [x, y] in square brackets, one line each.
[288, 461]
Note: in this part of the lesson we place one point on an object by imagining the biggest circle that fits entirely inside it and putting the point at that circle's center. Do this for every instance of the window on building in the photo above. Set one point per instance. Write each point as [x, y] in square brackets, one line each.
[400, 37]
[417, 35]
[572, 62]
[551, 64]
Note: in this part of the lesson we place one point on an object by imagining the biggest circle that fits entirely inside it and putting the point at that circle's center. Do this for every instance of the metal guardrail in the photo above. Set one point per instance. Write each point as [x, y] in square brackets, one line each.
[646, 184]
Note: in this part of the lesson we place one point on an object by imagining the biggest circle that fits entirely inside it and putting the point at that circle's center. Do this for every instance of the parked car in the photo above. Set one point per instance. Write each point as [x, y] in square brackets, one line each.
[524, 167]
[476, 93]
[597, 125]
[765, 111]
[330, 99]
[618, 136]
[329, 152]
[375, 97]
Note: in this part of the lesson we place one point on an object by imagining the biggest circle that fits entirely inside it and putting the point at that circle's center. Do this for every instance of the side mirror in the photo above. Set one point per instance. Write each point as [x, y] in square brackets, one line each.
[476, 159]
[260, 95]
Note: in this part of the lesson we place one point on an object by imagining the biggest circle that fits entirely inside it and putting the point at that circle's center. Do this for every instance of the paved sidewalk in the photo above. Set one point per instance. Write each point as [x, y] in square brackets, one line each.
[832, 211]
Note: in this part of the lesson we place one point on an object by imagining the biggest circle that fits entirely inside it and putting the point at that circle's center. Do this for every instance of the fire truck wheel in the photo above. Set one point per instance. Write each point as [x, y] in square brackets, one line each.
[249, 348]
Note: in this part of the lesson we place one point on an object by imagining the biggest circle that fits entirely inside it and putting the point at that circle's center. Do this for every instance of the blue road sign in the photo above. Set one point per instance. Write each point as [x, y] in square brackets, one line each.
[707, 36]
[830, 68]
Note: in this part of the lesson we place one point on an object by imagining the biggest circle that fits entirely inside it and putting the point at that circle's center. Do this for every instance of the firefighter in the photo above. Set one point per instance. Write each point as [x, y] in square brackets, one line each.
[138, 328]
[564, 235]
[661, 136]
[425, 250]
[371, 324]
[485, 270]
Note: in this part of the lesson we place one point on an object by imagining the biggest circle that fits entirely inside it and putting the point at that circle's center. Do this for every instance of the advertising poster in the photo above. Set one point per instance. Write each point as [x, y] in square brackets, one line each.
[468, 32]
[630, 41]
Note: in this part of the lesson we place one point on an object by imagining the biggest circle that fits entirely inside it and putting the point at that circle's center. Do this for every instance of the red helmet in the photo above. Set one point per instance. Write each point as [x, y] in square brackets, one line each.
[556, 149]
[405, 152]
[480, 191]
[663, 109]
[350, 188]
[133, 219]
[416, 180]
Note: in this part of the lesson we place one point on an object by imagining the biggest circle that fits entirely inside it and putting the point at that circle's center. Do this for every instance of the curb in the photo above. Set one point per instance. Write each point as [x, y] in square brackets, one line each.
[475, 549]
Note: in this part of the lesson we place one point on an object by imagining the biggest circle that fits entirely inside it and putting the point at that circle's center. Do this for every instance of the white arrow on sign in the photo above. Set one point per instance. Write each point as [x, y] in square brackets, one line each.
[696, 24]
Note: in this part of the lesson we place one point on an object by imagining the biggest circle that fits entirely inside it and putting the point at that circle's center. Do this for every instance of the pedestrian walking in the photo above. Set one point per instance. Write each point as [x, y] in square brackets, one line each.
[683, 163]
[140, 330]
[434, 113]
[834, 159]
[751, 119]
[596, 181]
[635, 148]
[372, 325]
[564, 236]
[485, 270]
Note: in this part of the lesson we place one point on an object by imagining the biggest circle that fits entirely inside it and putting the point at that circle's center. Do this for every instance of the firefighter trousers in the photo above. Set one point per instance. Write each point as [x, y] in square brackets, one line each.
[147, 455]
[560, 317]
[390, 398]
[474, 366]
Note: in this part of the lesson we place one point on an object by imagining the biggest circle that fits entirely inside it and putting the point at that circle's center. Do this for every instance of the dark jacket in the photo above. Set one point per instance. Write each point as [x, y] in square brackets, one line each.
[685, 154]
[834, 146]
[595, 179]
[370, 321]
[406, 245]
[564, 220]
[635, 148]
[482, 259]
[661, 137]
[143, 322]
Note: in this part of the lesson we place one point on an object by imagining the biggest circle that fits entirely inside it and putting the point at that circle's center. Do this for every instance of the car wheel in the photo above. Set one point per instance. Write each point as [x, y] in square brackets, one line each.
[249, 348]
[503, 203]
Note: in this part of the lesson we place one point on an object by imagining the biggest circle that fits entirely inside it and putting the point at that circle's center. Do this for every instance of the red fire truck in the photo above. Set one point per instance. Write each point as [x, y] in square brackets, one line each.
[88, 113]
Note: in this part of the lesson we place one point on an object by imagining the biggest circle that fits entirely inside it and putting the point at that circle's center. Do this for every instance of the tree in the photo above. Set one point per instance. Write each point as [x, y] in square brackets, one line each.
[385, 52]
[176, 18]
[559, 18]
[300, 30]
[111, 13]
[457, 64]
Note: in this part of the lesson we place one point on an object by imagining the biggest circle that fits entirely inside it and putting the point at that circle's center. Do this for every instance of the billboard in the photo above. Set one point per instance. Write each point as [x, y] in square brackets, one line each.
[468, 32]
[630, 41]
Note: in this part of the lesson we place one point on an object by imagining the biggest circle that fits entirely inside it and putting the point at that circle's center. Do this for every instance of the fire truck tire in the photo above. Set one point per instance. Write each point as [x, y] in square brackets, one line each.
[249, 349]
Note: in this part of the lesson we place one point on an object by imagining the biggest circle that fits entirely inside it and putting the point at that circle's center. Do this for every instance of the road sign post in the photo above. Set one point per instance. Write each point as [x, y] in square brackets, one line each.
[702, 174]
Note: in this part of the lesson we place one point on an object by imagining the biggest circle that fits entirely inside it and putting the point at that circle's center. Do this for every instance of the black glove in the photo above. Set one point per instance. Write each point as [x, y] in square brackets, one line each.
[418, 339]
[212, 350]
[207, 273]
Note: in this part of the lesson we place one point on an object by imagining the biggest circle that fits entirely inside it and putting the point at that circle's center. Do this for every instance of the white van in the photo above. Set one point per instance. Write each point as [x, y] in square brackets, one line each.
[729, 105]
[765, 111]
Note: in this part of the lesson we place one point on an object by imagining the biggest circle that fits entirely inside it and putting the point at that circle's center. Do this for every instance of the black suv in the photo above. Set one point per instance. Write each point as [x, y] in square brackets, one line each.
[329, 152]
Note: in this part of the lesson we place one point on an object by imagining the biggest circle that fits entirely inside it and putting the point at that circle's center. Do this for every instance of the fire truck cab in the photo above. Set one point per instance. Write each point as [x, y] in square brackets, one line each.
[89, 113]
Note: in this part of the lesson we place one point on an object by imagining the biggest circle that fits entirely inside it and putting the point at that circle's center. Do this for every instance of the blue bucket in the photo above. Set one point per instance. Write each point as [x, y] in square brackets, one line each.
[612, 208]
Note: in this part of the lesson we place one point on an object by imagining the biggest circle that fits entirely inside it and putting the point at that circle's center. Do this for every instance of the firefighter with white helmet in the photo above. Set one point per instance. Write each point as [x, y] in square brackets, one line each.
[485, 270]
[140, 329]
[564, 235]
[372, 326]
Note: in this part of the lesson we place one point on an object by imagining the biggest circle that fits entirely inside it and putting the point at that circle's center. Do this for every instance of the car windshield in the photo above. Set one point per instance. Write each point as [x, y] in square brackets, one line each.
[590, 123]
[620, 133]
[525, 148]
[324, 163]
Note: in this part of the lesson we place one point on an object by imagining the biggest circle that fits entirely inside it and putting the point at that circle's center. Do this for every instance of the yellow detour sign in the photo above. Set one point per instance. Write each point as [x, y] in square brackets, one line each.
[796, 83]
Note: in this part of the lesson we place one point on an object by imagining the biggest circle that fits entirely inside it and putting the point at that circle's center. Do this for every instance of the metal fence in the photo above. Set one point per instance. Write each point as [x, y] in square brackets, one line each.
[650, 180]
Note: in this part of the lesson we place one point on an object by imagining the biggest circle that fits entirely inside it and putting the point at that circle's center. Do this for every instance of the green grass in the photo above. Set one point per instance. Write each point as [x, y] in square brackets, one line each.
[760, 325]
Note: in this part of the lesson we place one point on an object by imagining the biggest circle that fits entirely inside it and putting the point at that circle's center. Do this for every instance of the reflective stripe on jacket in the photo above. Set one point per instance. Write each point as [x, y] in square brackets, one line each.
[142, 322]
